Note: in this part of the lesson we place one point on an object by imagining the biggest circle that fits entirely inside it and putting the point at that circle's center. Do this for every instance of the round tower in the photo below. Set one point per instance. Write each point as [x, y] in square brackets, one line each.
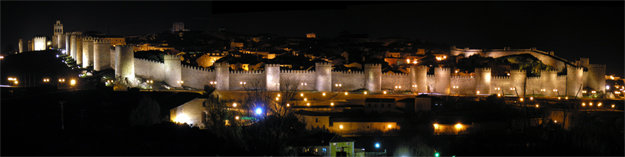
[373, 77]
[79, 57]
[87, 52]
[72, 48]
[574, 80]
[125, 66]
[173, 70]
[67, 43]
[324, 77]
[483, 80]
[222, 76]
[443, 79]
[101, 54]
[272, 74]
[517, 82]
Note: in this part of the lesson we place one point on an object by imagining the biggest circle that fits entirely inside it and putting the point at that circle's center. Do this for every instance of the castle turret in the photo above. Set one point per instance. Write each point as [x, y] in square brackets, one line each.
[173, 70]
[272, 74]
[101, 54]
[443, 79]
[125, 66]
[87, 52]
[483, 80]
[39, 43]
[517, 82]
[373, 77]
[223, 76]
[324, 77]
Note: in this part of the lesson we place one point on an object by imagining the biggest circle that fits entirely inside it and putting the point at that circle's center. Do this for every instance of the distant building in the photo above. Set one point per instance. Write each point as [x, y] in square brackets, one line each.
[116, 40]
[340, 146]
[20, 45]
[311, 35]
[178, 27]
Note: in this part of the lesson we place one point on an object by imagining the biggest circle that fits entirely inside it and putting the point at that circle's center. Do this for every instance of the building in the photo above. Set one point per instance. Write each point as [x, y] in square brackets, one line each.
[340, 146]
[39, 43]
[178, 27]
[58, 38]
[311, 35]
[115, 40]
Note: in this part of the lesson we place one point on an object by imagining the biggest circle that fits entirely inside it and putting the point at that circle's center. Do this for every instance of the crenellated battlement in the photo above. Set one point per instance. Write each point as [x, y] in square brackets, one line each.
[149, 60]
[320, 64]
[247, 72]
[196, 68]
[441, 69]
[373, 66]
[222, 64]
[171, 57]
[297, 71]
[483, 69]
[517, 71]
[500, 77]
[462, 77]
[101, 41]
[395, 74]
[87, 39]
[272, 65]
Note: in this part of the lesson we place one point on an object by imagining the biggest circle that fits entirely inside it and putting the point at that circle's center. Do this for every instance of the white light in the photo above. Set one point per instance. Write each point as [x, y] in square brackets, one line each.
[607, 87]
[182, 118]
[258, 111]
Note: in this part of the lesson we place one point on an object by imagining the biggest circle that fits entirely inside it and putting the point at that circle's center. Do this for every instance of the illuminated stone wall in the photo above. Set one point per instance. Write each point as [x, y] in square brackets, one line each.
[149, 69]
[401, 81]
[441, 82]
[303, 79]
[348, 80]
[197, 77]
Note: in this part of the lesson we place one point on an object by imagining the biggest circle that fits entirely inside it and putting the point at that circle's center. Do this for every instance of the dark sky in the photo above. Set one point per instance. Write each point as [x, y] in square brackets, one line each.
[571, 29]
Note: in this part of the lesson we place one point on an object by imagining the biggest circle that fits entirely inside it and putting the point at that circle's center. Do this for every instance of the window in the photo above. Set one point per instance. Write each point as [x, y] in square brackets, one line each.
[316, 120]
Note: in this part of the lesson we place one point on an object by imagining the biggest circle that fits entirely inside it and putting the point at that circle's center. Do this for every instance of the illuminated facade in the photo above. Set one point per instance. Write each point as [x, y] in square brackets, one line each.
[39, 43]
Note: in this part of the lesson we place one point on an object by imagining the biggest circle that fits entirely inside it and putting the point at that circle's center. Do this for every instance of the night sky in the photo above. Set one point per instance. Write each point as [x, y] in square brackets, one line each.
[571, 29]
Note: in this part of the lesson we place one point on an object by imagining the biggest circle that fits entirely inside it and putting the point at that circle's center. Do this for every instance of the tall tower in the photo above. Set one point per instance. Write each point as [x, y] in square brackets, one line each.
[57, 39]
[272, 74]
[87, 52]
[483, 80]
[443, 80]
[173, 70]
[418, 78]
[222, 77]
[20, 45]
[373, 77]
[125, 65]
[324, 77]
